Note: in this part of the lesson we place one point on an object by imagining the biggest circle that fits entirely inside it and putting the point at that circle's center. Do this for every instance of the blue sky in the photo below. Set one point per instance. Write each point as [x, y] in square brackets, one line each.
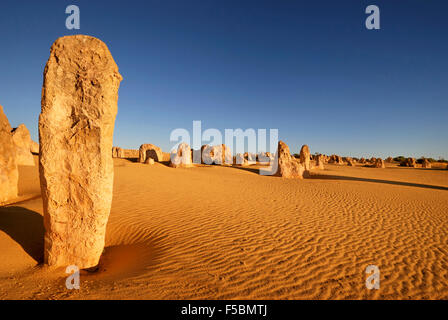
[308, 68]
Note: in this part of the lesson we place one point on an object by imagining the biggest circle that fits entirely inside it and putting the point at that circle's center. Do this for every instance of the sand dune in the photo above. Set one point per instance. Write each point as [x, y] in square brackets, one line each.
[213, 232]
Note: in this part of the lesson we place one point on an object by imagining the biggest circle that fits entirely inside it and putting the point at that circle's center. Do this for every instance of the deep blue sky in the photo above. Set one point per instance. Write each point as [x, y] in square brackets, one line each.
[309, 68]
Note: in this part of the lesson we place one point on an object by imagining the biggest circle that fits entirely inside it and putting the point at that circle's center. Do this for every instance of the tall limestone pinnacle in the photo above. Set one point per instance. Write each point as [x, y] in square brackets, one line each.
[9, 174]
[76, 125]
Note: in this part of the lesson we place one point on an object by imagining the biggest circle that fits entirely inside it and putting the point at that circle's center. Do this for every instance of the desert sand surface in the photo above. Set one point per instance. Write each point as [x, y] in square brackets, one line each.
[217, 232]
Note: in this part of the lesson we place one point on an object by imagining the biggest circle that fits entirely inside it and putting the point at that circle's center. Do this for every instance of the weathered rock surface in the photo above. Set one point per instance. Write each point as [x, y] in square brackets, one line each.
[151, 151]
[181, 157]
[149, 161]
[288, 166]
[34, 148]
[305, 157]
[389, 160]
[9, 173]
[22, 139]
[76, 124]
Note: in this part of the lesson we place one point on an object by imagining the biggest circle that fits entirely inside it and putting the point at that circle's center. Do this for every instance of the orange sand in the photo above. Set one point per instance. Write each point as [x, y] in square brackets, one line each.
[213, 232]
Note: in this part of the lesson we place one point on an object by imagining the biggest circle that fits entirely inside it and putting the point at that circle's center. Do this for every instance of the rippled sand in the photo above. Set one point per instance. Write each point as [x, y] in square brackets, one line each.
[213, 232]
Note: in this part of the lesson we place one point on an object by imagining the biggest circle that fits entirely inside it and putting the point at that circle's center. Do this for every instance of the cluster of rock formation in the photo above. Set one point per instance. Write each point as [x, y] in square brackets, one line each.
[265, 157]
[409, 162]
[79, 105]
[379, 163]
[16, 149]
[335, 159]
[288, 166]
[117, 152]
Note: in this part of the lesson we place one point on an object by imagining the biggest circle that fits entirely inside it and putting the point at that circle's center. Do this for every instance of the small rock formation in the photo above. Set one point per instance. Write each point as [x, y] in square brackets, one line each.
[22, 139]
[76, 126]
[389, 160]
[117, 152]
[320, 162]
[265, 158]
[335, 159]
[241, 160]
[34, 148]
[151, 151]
[305, 157]
[379, 163]
[149, 161]
[362, 161]
[409, 162]
[288, 166]
[350, 162]
[220, 155]
[250, 157]
[426, 164]
[181, 157]
[9, 173]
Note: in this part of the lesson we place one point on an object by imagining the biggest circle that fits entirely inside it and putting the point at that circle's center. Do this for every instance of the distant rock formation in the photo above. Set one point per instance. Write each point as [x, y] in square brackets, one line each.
[131, 153]
[150, 151]
[76, 126]
[22, 139]
[182, 157]
[9, 173]
[389, 160]
[288, 166]
[335, 159]
[265, 158]
[350, 162]
[220, 155]
[241, 160]
[117, 152]
[305, 157]
[426, 164]
[379, 163]
[409, 162]
[320, 159]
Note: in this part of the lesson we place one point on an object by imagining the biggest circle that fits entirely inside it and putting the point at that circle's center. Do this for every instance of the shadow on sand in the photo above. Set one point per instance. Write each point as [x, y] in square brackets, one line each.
[26, 227]
[398, 183]
[248, 168]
